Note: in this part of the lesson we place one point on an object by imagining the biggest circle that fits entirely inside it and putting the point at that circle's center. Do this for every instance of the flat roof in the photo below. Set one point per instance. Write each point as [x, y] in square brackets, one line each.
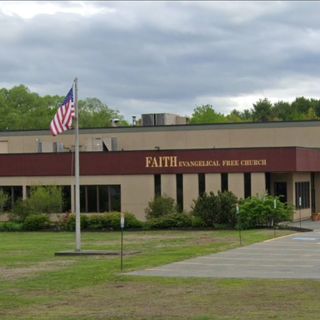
[169, 128]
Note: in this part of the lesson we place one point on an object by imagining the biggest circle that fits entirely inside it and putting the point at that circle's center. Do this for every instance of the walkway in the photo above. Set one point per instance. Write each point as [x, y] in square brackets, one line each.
[291, 257]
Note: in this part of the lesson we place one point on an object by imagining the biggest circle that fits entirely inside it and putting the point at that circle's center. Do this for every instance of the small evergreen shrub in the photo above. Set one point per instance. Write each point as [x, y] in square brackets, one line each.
[160, 206]
[36, 222]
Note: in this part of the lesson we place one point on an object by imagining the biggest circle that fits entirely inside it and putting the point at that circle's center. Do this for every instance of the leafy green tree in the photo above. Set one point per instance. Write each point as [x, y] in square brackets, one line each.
[206, 114]
[94, 113]
[38, 111]
[284, 111]
[301, 105]
[262, 110]
[234, 116]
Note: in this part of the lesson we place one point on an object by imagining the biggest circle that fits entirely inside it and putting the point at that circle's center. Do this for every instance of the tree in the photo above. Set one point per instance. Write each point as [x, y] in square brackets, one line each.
[206, 114]
[283, 111]
[94, 113]
[234, 116]
[262, 110]
[38, 111]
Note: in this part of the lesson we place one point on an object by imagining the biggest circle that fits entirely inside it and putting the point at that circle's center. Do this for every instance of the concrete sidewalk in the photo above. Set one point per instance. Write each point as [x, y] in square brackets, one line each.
[306, 224]
[295, 256]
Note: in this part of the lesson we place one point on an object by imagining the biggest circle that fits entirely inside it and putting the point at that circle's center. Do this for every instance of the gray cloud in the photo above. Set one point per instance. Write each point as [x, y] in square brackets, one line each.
[166, 56]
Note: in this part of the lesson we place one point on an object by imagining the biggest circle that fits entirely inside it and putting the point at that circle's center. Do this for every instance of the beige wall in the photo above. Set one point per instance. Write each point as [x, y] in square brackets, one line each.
[190, 190]
[133, 198]
[258, 184]
[181, 137]
[291, 179]
[236, 184]
[169, 186]
[213, 182]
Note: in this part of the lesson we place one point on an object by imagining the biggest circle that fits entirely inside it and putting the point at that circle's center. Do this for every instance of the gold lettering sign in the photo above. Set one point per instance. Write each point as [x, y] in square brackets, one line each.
[173, 162]
[162, 162]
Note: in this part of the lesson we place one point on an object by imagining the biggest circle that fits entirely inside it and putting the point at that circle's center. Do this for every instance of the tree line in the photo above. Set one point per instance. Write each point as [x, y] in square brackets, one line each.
[21, 109]
[263, 110]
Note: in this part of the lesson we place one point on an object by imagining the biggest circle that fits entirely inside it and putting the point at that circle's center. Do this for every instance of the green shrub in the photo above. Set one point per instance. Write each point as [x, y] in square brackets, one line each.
[106, 221]
[197, 222]
[11, 226]
[160, 206]
[4, 198]
[170, 221]
[227, 202]
[70, 222]
[45, 199]
[260, 212]
[35, 222]
[217, 209]
[21, 211]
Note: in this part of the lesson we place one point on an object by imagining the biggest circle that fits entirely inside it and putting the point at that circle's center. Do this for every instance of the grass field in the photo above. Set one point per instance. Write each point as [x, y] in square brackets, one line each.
[36, 285]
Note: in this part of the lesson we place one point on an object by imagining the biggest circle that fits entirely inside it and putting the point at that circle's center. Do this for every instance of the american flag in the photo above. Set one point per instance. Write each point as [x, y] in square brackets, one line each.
[62, 120]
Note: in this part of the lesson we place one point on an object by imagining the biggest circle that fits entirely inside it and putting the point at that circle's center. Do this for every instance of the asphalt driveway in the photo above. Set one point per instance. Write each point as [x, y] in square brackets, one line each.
[295, 256]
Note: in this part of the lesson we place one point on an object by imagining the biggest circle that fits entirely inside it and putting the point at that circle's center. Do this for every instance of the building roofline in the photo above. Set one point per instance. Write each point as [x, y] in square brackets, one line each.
[178, 127]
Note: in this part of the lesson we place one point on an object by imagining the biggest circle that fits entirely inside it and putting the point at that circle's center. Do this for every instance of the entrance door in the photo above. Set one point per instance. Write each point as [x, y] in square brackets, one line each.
[280, 190]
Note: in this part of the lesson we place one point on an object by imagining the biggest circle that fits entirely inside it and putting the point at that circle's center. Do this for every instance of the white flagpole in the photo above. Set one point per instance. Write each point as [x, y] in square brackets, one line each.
[77, 171]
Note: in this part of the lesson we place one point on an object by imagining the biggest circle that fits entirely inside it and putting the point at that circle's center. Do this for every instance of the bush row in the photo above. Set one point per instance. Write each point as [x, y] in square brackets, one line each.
[209, 211]
[110, 221]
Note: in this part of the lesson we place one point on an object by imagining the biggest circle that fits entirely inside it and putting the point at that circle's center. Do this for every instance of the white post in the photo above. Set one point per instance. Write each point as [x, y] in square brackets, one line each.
[77, 171]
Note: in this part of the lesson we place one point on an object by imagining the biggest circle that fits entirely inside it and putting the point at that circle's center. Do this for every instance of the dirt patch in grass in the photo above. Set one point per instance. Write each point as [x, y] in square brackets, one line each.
[34, 270]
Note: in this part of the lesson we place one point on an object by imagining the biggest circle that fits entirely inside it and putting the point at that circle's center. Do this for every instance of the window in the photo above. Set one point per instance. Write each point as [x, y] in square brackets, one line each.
[179, 182]
[224, 182]
[14, 193]
[280, 190]
[303, 192]
[100, 198]
[268, 182]
[157, 185]
[247, 185]
[201, 183]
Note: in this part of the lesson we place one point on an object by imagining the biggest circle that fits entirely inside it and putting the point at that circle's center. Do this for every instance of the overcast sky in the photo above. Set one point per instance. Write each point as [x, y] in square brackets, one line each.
[144, 57]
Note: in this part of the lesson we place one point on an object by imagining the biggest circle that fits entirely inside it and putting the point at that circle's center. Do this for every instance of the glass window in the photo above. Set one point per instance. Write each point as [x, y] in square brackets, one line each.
[179, 182]
[157, 185]
[247, 185]
[201, 183]
[100, 198]
[224, 182]
[303, 193]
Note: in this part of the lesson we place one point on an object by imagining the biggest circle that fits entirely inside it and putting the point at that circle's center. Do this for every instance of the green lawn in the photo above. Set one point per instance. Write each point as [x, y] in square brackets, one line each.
[36, 285]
